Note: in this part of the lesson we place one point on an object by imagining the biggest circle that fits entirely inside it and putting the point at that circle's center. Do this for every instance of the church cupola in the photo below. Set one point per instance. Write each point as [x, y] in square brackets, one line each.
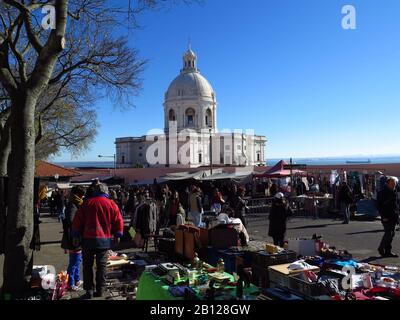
[189, 61]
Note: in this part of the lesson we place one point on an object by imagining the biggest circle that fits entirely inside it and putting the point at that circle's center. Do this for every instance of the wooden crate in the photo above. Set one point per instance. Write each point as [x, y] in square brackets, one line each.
[260, 276]
[309, 289]
[264, 259]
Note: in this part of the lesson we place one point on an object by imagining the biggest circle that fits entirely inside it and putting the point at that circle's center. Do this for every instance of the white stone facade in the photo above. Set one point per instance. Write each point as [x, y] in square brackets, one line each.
[190, 118]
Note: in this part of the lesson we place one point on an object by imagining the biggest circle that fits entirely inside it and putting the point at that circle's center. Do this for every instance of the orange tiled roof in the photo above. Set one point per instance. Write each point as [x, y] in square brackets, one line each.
[46, 170]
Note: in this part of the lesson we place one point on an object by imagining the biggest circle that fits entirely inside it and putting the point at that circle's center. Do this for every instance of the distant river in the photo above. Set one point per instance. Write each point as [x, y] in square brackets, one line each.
[270, 162]
[337, 161]
[93, 164]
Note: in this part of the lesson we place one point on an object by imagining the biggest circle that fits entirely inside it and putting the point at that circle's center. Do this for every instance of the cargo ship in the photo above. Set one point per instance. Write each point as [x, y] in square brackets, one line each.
[358, 161]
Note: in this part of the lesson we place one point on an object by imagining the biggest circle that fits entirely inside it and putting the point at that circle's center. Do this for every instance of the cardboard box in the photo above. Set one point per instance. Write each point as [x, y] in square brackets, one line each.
[279, 274]
[303, 247]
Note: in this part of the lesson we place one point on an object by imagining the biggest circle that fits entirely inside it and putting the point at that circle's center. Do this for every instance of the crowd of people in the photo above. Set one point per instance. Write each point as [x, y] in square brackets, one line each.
[93, 218]
[188, 204]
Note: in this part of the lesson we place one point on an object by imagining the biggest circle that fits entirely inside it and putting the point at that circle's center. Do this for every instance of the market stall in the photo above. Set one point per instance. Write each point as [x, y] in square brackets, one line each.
[306, 269]
[279, 171]
[176, 282]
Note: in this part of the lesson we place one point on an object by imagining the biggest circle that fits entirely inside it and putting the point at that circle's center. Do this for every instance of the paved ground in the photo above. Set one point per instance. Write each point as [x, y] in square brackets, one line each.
[361, 238]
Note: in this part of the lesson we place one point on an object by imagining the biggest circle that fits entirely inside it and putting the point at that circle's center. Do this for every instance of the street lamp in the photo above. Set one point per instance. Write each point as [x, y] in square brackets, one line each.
[115, 162]
[211, 155]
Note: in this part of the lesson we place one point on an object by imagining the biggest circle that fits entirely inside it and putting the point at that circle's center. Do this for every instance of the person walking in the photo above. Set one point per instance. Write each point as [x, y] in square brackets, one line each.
[60, 204]
[240, 206]
[273, 190]
[52, 204]
[163, 201]
[96, 223]
[345, 200]
[195, 207]
[388, 210]
[173, 209]
[232, 196]
[75, 253]
[279, 213]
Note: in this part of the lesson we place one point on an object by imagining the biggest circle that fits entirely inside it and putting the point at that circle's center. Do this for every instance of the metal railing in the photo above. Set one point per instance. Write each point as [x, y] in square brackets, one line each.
[309, 208]
[259, 205]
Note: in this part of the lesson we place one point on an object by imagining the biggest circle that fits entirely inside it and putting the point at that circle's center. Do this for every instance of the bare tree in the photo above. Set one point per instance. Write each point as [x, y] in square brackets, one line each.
[88, 58]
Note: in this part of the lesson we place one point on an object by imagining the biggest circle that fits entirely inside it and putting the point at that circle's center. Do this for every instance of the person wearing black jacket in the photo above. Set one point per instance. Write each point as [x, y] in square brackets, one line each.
[240, 206]
[388, 210]
[345, 199]
[279, 213]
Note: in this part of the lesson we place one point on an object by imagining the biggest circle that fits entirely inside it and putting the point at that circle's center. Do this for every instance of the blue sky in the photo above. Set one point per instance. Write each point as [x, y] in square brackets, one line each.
[285, 68]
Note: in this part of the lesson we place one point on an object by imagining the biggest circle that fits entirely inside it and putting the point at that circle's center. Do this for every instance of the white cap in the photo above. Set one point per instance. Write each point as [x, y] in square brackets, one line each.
[279, 195]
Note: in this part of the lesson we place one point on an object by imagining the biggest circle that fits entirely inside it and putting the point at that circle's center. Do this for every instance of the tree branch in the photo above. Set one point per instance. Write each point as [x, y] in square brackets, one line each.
[30, 30]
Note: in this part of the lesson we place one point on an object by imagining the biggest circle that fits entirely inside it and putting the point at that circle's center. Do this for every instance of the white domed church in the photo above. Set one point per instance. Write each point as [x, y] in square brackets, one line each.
[191, 137]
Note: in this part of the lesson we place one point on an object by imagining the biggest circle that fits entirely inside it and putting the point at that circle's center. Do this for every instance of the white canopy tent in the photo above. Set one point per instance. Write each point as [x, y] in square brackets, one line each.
[179, 176]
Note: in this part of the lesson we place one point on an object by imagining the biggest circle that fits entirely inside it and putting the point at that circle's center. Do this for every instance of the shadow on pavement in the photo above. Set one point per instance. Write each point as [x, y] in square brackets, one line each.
[50, 242]
[370, 259]
[315, 226]
[364, 232]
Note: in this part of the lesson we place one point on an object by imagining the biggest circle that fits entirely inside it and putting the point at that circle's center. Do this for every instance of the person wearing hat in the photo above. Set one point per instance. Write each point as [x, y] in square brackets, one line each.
[278, 215]
[389, 212]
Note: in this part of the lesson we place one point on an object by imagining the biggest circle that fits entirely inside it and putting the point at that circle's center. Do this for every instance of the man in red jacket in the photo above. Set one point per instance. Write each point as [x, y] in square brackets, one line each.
[97, 222]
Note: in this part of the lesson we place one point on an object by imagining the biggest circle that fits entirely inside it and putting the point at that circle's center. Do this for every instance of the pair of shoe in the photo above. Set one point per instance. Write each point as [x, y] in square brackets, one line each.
[75, 288]
[387, 255]
[89, 295]
[391, 255]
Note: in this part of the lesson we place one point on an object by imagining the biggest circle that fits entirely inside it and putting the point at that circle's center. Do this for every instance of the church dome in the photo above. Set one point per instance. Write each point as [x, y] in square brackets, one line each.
[190, 82]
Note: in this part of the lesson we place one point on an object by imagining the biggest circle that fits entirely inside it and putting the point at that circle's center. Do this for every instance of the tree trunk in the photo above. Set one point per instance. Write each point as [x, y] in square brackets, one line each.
[5, 147]
[19, 231]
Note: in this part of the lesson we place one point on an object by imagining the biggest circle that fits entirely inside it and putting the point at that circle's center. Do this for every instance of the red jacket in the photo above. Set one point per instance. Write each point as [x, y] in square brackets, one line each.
[97, 221]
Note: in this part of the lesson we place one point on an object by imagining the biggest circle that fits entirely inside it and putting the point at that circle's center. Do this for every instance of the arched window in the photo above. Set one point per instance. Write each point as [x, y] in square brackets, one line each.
[190, 114]
[208, 118]
[171, 115]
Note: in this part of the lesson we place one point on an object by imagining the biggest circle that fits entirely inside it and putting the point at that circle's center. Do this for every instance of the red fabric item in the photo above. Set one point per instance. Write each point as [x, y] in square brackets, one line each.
[377, 290]
[98, 218]
[361, 296]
